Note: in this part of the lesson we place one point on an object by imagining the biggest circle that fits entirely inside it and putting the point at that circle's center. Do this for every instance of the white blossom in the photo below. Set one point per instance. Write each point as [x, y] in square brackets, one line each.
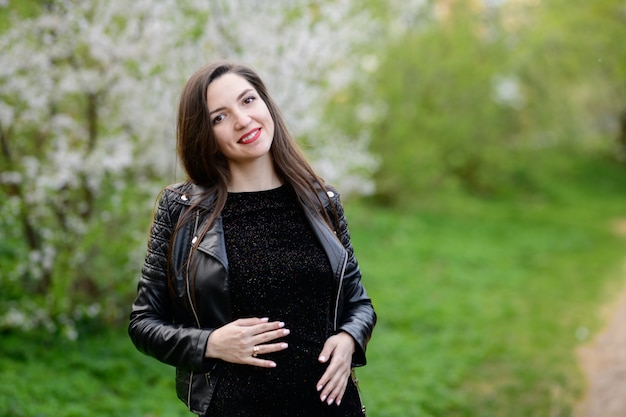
[89, 89]
[506, 91]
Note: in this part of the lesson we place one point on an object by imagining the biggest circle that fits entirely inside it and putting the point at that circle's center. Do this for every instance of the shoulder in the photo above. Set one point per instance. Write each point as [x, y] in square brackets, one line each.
[328, 194]
[173, 191]
[187, 194]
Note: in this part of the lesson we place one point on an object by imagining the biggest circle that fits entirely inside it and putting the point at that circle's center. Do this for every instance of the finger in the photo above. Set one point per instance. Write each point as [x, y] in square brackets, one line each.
[327, 351]
[333, 382]
[264, 349]
[268, 348]
[263, 363]
[324, 386]
[336, 394]
[268, 325]
[334, 389]
[251, 321]
[324, 356]
[263, 338]
[260, 350]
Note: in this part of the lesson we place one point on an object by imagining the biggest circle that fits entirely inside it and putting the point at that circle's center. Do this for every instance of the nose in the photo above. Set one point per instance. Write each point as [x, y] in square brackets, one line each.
[242, 120]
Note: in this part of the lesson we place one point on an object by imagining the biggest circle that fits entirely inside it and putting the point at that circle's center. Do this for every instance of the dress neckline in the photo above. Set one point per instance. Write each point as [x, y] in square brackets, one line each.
[257, 192]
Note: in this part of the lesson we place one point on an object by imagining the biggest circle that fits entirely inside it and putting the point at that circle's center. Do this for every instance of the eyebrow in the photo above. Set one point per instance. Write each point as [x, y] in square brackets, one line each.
[239, 97]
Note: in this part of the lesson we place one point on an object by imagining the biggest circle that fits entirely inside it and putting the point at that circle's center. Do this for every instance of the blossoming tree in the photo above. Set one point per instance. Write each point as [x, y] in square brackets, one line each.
[88, 91]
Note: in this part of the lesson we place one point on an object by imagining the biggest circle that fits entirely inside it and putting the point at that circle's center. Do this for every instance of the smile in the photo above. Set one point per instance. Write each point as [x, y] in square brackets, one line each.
[250, 136]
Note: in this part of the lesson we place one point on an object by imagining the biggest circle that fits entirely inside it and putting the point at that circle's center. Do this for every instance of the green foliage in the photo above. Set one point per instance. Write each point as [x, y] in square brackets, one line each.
[462, 98]
[18, 9]
[573, 65]
[441, 122]
[95, 280]
[436, 122]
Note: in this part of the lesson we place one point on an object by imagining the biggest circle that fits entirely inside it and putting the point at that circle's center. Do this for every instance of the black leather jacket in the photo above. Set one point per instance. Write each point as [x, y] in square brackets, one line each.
[175, 330]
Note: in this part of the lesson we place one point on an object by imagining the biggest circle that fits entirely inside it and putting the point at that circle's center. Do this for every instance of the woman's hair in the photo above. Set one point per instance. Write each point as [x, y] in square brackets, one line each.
[206, 166]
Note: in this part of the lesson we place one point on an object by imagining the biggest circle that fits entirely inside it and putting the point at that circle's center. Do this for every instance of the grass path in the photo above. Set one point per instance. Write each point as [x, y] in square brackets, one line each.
[603, 361]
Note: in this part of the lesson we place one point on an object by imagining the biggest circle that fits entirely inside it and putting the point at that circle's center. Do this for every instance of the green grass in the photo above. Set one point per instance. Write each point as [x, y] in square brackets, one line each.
[479, 312]
[479, 303]
[99, 375]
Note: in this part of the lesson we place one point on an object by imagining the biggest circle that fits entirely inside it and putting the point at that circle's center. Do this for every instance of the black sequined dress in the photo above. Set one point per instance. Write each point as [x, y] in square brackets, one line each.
[278, 270]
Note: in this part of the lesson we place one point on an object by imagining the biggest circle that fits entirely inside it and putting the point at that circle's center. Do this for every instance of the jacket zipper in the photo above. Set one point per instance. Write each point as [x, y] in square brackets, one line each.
[343, 272]
[193, 241]
[193, 310]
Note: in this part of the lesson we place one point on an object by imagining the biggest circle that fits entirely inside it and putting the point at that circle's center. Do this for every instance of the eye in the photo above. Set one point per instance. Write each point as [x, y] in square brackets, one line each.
[249, 99]
[217, 119]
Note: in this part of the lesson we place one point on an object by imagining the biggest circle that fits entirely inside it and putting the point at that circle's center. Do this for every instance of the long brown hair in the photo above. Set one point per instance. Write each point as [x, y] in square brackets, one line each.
[206, 166]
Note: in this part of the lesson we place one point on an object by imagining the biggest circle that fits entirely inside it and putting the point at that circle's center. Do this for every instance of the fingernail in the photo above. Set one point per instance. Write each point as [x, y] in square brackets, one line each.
[338, 402]
[319, 388]
[323, 398]
[330, 402]
[273, 365]
[281, 324]
[322, 358]
[284, 346]
[265, 319]
[286, 331]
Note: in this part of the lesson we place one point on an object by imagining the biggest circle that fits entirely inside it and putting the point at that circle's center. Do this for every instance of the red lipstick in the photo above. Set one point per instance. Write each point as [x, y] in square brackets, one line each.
[250, 136]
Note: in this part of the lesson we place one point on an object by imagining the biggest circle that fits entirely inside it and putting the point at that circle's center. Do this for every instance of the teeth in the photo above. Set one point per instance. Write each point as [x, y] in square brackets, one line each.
[250, 136]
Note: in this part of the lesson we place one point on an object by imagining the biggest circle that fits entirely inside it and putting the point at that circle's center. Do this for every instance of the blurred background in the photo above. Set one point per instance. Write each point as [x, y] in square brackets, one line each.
[479, 145]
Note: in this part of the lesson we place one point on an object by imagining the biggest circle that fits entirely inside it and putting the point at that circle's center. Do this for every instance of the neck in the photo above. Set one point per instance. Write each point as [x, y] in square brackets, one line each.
[257, 176]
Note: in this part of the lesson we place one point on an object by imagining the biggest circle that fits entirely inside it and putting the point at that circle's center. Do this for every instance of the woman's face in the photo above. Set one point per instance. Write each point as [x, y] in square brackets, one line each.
[240, 119]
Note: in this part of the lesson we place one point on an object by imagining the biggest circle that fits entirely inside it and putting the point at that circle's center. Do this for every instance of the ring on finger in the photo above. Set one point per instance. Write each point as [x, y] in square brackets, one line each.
[255, 351]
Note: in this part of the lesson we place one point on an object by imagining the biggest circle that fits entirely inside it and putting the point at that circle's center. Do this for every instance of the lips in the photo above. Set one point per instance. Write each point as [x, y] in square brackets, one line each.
[250, 136]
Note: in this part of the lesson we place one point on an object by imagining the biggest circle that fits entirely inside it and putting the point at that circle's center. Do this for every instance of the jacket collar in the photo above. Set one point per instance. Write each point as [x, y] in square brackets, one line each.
[189, 194]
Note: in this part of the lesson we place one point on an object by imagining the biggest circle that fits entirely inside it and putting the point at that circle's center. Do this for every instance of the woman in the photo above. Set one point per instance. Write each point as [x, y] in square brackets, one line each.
[250, 287]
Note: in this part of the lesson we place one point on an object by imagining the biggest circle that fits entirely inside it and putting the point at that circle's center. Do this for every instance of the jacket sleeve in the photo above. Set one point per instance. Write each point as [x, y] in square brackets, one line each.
[152, 328]
[357, 316]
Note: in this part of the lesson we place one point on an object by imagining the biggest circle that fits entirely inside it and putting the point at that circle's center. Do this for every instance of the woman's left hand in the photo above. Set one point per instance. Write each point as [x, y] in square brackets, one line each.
[339, 349]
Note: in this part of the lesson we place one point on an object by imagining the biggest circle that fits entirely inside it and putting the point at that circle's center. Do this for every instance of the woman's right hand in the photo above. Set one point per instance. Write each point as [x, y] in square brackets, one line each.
[235, 342]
